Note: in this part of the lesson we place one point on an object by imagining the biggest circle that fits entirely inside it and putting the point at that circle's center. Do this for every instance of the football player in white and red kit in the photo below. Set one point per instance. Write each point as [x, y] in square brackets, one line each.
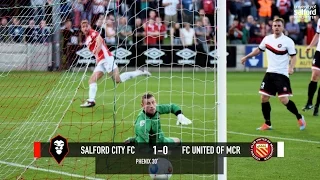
[276, 80]
[315, 75]
[104, 63]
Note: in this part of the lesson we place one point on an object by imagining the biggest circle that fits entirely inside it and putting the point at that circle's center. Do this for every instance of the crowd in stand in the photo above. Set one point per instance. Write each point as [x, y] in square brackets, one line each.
[154, 22]
[186, 22]
[250, 21]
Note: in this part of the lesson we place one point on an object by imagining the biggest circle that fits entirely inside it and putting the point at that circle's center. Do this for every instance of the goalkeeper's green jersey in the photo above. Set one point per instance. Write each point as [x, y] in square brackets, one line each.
[148, 127]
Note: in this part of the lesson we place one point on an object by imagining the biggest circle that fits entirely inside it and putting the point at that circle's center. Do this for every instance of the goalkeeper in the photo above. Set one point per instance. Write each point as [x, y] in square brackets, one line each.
[148, 126]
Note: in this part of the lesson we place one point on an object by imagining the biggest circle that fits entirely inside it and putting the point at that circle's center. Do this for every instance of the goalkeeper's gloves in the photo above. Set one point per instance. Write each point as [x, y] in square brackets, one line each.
[130, 140]
[183, 120]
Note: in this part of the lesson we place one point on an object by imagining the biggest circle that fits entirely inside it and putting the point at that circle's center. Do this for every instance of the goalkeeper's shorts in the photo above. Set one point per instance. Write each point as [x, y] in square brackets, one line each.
[106, 65]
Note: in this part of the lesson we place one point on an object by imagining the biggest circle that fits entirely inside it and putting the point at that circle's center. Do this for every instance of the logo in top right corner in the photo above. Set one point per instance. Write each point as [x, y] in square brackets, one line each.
[305, 13]
[261, 149]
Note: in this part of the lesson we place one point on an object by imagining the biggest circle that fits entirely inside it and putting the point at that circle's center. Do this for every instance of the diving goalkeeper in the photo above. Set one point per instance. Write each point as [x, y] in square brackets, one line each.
[148, 126]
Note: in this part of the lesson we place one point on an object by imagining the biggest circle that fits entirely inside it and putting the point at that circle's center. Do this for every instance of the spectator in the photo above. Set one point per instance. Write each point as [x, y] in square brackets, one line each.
[144, 6]
[254, 9]
[3, 29]
[32, 32]
[201, 35]
[269, 27]
[229, 14]
[124, 31]
[97, 9]
[245, 33]
[187, 11]
[315, 22]
[78, 9]
[249, 22]
[202, 14]
[162, 30]
[236, 8]
[263, 30]
[170, 11]
[48, 12]
[38, 10]
[87, 10]
[131, 12]
[110, 32]
[246, 8]
[123, 8]
[293, 30]
[209, 9]
[44, 32]
[175, 34]
[274, 10]
[152, 15]
[151, 32]
[310, 32]
[67, 33]
[113, 6]
[235, 32]
[138, 34]
[209, 28]
[303, 27]
[113, 20]
[187, 34]
[255, 33]
[264, 10]
[284, 8]
[98, 27]
[65, 9]
[153, 4]
[16, 31]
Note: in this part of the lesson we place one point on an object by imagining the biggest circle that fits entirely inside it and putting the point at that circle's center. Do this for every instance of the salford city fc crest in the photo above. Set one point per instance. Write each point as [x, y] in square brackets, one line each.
[261, 149]
[59, 148]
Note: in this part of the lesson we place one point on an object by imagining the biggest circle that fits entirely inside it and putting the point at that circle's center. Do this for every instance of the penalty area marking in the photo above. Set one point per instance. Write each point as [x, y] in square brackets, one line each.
[49, 170]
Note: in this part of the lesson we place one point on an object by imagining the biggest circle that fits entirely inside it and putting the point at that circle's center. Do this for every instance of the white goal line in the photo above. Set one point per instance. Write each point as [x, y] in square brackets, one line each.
[102, 122]
[190, 128]
[49, 170]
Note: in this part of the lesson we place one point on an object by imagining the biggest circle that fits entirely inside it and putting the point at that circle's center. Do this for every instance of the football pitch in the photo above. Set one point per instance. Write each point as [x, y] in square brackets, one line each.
[36, 106]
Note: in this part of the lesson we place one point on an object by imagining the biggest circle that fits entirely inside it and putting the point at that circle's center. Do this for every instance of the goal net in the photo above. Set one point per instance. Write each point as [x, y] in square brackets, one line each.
[43, 80]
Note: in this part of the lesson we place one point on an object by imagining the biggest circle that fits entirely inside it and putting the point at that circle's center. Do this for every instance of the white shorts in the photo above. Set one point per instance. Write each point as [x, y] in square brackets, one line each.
[106, 65]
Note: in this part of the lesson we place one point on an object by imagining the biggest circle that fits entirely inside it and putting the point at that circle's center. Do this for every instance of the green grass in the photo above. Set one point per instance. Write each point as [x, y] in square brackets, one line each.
[35, 106]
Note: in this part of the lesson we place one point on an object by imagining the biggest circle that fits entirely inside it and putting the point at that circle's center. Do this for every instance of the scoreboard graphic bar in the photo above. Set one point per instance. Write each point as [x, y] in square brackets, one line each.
[186, 158]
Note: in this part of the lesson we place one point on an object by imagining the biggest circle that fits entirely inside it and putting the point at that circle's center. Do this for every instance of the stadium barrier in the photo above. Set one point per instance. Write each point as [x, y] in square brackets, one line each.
[132, 56]
[25, 57]
[38, 57]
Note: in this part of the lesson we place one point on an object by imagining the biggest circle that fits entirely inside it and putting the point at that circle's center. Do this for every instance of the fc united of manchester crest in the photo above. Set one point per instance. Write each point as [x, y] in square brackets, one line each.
[261, 149]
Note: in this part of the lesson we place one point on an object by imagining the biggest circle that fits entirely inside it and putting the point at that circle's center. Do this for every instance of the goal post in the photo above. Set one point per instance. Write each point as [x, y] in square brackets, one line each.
[38, 105]
[222, 78]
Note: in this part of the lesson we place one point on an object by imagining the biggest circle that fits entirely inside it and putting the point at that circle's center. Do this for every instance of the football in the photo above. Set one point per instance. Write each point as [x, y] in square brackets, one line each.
[162, 170]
